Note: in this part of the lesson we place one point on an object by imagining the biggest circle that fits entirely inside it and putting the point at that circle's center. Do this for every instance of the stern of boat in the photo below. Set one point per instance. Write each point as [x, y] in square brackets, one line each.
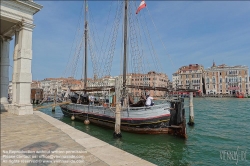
[177, 124]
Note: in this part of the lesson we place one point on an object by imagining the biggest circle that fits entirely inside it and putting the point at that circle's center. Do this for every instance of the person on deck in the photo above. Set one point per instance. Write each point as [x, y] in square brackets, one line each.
[91, 100]
[149, 101]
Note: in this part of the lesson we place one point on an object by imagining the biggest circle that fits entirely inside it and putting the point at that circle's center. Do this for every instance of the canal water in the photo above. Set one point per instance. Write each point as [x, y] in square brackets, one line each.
[221, 135]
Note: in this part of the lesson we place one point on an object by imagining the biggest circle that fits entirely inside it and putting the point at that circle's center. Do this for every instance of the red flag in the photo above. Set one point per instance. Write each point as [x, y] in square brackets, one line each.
[141, 6]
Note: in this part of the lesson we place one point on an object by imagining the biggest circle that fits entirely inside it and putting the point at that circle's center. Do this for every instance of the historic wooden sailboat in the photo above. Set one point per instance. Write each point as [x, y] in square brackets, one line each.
[167, 117]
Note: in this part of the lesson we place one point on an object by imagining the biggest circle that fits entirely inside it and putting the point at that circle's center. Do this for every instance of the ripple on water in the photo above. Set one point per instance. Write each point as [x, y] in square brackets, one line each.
[220, 124]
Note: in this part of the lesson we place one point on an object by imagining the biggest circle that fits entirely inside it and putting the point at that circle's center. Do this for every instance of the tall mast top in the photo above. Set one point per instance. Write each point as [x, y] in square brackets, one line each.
[86, 44]
[125, 47]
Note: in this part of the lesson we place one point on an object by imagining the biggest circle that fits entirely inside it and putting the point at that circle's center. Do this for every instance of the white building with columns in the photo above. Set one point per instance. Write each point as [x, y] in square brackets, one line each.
[17, 22]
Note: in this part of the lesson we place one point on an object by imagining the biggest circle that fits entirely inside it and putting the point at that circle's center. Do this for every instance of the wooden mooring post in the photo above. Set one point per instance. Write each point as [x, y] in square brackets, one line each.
[117, 132]
[191, 107]
[54, 107]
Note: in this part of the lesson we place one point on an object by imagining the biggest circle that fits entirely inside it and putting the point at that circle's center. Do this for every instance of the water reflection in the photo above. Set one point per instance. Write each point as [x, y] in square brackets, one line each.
[73, 123]
[118, 142]
[87, 128]
[217, 127]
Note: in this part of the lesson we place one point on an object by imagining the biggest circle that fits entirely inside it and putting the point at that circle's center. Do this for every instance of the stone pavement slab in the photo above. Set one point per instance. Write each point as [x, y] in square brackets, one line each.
[39, 139]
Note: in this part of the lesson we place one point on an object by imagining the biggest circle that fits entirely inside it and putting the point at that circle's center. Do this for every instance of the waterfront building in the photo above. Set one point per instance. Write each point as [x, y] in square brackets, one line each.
[108, 81]
[61, 85]
[35, 84]
[17, 20]
[185, 75]
[101, 82]
[152, 79]
[175, 80]
[223, 79]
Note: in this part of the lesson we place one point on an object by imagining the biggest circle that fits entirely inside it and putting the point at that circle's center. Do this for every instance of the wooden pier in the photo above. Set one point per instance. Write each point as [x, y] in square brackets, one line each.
[40, 137]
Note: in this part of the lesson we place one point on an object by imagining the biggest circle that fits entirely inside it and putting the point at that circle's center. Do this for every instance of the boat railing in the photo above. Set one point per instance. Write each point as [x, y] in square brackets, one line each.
[148, 107]
[95, 109]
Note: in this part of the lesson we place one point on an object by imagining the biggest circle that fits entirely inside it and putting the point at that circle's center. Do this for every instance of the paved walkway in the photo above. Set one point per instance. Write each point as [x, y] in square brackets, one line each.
[39, 139]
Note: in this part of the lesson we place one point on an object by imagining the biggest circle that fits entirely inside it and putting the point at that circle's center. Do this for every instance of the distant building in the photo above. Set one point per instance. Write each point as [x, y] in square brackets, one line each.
[152, 79]
[223, 79]
[101, 82]
[50, 85]
[185, 75]
[175, 80]
[35, 84]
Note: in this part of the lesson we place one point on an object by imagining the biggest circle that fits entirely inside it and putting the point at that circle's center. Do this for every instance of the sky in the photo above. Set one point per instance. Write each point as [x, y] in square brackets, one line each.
[183, 33]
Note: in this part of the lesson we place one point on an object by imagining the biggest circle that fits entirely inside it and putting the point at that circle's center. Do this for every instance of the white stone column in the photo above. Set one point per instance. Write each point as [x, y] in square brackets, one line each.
[22, 76]
[14, 67]
[4, 62]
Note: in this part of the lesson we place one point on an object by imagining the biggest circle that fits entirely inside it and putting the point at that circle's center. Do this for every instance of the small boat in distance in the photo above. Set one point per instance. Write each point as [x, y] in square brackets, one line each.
[240, 95]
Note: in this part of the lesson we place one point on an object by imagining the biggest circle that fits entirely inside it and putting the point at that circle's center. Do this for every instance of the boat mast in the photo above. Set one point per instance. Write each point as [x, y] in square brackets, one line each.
[117, 133]
[86, 51]
[125, 48]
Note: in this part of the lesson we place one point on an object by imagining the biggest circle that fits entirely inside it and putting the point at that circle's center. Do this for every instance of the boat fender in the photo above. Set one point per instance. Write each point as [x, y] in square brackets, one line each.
[86, 122]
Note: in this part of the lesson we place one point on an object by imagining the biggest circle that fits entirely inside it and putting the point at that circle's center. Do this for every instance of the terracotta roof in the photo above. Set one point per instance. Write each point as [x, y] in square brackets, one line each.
[190, 67]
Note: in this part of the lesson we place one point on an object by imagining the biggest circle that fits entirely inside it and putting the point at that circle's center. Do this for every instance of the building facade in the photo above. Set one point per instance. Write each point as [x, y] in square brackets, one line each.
[101, 82]
[185, 75]
[223, 79]
[51, 86]
[151, 79]
[17, 20]
[175, 80]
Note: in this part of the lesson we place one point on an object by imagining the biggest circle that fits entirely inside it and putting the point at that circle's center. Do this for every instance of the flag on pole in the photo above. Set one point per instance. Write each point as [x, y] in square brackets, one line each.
[141, 6]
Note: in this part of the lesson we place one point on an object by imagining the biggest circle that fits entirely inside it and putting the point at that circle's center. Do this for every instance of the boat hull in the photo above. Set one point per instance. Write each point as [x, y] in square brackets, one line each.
[153, 125]
[144, 120]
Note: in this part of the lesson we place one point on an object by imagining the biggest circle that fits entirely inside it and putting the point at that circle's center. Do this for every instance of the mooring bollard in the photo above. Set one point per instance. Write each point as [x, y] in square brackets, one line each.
[191, 107]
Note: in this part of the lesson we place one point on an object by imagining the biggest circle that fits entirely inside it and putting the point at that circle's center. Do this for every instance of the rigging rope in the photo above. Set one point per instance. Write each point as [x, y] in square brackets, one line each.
[106, 26]
[75, 36]
[152, 47]
[109, 58]
[160, 38]
[145, 59]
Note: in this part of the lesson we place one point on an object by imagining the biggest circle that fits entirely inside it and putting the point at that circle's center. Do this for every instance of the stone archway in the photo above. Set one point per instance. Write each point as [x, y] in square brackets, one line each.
[17, 20]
